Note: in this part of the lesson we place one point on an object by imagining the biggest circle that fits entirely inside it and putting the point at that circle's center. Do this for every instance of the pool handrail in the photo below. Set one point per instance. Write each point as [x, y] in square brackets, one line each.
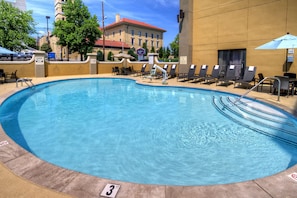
[255, 86]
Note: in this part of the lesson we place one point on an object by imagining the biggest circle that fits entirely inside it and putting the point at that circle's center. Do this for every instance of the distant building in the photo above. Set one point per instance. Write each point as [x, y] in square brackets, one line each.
[20, 4]
[120, 36]
[134, 33]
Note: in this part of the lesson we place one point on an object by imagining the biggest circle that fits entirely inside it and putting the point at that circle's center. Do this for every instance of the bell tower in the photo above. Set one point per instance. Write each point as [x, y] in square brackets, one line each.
[58, 10]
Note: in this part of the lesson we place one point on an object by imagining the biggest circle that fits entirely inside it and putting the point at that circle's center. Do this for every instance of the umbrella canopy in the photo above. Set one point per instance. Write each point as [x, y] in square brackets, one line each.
[287, 41]
[6, 51]
[122, 55]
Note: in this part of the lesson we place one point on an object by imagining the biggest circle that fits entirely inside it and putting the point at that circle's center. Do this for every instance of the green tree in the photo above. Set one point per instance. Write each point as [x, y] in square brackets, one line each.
[15, 27]
[161, 52]
[153, 49]
[132, 53]
[144, 46]
[99, 55]
[175, 47]
[110, 56]
[79, 31]
[46, 47]
[167, 52]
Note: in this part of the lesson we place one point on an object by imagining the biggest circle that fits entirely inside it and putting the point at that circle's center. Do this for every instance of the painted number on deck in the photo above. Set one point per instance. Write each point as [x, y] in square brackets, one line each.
[293, 176]
[3, 143]
[110, 190]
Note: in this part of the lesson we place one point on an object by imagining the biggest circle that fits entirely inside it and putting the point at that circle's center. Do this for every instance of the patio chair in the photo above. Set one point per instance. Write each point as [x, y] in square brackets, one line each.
[11, 77]
[229, 77]
[293, 81]
[268, 82]
[202, 74]
[2, 75]
[248, 77]
[214, 75]
[115, 70]
[172, 72]
[284, 85]
[189, 75]
[142, 71]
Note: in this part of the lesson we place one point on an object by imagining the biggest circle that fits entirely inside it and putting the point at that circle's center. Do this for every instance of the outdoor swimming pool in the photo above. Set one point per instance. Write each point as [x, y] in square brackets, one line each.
[117, 129]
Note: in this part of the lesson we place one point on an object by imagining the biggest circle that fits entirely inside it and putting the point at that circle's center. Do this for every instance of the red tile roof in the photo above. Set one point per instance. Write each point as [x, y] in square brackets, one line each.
[109, 43]
[134, 22]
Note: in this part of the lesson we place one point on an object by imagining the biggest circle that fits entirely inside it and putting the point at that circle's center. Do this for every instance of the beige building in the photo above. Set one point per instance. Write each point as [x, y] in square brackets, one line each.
[228, 31]
[120, 36]
[134, 33]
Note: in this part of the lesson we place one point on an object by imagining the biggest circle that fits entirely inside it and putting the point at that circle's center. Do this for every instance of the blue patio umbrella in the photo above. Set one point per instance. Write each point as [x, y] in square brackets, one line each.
[6, 51]
[287, 41]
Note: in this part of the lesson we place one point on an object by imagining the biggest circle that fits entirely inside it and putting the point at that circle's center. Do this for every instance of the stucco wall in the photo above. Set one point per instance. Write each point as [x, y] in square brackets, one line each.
[240, 24]
[63, 68]
[24, 68]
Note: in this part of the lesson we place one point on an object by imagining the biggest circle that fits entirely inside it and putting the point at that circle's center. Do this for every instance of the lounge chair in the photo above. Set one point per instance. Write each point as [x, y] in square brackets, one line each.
[214, 75]
[115, 70]
[229, 77]
[11, 77]
[2, 75]
[248, 77]
[284, 85]
[189, 75]
[151, 74]
[142, 71]
[268, 82]
[202, 74]
[172, 72]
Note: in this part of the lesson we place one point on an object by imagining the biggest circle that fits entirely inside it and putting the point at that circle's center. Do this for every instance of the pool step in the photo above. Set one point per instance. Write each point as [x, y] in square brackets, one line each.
[258, 117]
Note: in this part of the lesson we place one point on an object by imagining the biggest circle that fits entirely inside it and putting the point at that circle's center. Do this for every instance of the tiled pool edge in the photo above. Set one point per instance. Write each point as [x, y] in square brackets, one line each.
[77, 184]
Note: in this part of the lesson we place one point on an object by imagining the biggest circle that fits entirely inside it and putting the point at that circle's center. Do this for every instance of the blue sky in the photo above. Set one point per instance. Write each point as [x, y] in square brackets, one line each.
[160, 13]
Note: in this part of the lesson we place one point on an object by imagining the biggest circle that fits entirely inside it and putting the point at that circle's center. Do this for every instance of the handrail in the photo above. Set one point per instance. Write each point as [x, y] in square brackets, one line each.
[246, 93]
[25, 80]
[153, 72]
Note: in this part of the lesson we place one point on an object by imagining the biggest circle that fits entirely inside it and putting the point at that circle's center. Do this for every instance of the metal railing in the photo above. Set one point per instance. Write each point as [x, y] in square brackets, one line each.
[259, 83]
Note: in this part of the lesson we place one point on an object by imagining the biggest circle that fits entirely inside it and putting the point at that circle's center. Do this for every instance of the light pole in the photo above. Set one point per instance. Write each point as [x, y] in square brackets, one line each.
[47, 18]
[103, 47]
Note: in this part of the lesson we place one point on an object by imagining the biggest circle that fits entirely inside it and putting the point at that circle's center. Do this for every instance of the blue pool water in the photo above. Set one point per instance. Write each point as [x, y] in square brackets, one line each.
[117, 129]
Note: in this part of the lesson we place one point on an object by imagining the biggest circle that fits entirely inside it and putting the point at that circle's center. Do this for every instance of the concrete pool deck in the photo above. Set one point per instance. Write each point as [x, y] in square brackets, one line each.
[24, 175]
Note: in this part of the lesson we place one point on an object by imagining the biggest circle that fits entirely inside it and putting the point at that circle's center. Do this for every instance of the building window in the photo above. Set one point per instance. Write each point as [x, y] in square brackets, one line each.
[120, 32]
[152, 35]
[139, 42]
[145, 35]
[113, 34]
[157, 44]
[139, 33]
[157, 36]
[132, 41]
[152, 43]
[132, 32]
[235, 57]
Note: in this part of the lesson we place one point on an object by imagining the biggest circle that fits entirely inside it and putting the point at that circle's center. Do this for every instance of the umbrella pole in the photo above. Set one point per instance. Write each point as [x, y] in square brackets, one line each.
[286, 60]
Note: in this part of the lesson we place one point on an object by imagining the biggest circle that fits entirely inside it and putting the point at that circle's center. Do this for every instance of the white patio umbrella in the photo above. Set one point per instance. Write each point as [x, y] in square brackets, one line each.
[287, 41]
[122, 55]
